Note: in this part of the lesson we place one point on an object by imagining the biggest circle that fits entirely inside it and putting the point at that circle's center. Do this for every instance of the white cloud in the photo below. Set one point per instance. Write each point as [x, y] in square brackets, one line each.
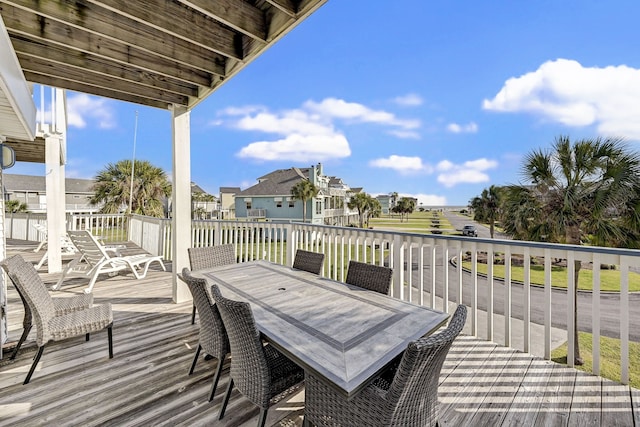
[308, 133]
[299, 148]
[566, 92]
[83, 108]
[472, 172]
[402, 164]
[338, 108]
[404, 134]
[409, 100]
[470, 127]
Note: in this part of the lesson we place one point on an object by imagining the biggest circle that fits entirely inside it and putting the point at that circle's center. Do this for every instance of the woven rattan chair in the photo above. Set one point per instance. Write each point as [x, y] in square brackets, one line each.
[308, 261]
[372, 277]
[209, 257]
[259, 372]
[61, 305]
[213, 336]
[49, 326]
[404, 396]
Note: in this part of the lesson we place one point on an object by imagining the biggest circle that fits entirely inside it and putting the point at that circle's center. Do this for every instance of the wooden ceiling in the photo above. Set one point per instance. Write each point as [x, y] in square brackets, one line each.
[151, 52]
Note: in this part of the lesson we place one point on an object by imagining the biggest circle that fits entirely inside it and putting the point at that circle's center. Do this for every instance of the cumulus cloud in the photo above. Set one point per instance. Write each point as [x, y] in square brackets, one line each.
[409, 100]
[566, 92]
[470, 127]
[309, 133]
[83, 108]
[401, 164]
[470, 172]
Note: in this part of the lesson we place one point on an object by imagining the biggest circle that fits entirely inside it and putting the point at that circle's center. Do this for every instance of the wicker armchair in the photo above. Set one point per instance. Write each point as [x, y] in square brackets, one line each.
[308, 261]
[60, 305]
[372, 277]
[404, 396]
[209, 257]
[213, 336]
[49, 326]
[260, 372]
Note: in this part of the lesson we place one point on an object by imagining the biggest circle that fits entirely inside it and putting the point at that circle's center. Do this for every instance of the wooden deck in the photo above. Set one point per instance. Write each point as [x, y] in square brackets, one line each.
[146, 383]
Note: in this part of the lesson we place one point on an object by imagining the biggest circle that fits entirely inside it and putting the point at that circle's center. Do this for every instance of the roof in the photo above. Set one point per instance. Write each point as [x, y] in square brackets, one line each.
[30, 183]
[230, 190]
[151, 52]
[276, 183]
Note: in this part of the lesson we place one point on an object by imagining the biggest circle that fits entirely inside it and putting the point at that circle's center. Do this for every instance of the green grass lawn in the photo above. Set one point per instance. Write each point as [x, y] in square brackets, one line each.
[609, 279]
[609, 357]
[418, 222]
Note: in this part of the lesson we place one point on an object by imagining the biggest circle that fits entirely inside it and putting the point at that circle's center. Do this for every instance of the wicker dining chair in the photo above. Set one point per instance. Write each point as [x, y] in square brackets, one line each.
[213, 336]
[209, 257]
[368, 276]
[308, 261]
[61, 306]
[259, 372]
[404, 396]
[50, 327]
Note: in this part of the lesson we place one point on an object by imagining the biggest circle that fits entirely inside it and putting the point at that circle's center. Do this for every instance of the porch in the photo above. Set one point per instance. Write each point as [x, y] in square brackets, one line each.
[146, 382]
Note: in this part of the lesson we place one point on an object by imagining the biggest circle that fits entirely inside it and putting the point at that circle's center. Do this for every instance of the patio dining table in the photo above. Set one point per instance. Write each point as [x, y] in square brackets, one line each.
[341, 333]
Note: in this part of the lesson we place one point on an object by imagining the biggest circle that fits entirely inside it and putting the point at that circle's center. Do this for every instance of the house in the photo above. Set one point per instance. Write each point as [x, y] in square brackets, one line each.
[387, 202]
[31, 190]
[203, 204]
[271, 198]
[227, 202]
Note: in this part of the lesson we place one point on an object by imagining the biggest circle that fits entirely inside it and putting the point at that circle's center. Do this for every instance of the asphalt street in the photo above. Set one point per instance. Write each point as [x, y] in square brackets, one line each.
[609, 302]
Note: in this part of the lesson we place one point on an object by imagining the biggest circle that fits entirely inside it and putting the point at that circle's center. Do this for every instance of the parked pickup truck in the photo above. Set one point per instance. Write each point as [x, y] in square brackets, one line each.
[469, 230]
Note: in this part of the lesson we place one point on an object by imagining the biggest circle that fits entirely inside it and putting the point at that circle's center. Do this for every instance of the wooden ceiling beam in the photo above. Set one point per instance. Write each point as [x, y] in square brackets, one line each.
[108, 24]
[84, 61]
[20, 22]
[179, 21]
[47, 68]
[237, 14]
[92, 90]
[286, 6]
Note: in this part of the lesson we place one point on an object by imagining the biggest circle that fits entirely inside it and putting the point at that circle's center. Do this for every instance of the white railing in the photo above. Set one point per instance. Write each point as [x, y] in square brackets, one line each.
[425, 274]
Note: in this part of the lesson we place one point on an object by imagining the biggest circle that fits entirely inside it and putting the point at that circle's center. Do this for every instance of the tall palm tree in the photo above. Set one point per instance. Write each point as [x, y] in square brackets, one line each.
[486, 207]
[14, 206]
[304, 190]
[113, 186]
[576, 191]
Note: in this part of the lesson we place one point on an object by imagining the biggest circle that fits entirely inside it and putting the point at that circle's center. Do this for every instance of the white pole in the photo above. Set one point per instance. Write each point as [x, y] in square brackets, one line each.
[133, 163]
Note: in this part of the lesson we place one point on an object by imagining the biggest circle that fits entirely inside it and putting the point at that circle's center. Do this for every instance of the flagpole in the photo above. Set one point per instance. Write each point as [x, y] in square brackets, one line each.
[133, 163]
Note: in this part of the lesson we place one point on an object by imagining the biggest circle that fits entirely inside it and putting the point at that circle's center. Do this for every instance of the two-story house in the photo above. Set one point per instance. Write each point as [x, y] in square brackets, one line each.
[271, 198]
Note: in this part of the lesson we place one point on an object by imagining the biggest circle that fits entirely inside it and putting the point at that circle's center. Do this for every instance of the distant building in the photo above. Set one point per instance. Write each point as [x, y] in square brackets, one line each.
[387, 202]
[271, 198]
[228, 202]
[31, 190]
[203, 204]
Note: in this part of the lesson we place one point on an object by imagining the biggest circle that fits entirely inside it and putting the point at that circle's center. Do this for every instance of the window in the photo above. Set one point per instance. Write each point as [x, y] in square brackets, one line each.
[248, 205]
[278, 204]
[292, 203]
[318, 207]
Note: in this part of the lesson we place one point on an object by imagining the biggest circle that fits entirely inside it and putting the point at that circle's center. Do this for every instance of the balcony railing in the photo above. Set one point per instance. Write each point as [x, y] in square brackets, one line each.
[428, 271]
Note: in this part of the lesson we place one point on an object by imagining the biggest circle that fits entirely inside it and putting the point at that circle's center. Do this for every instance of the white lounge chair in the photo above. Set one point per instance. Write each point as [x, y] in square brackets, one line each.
[65, 243]
[99, 261]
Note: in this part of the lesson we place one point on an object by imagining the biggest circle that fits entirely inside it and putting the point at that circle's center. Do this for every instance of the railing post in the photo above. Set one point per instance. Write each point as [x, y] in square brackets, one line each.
[398, 266]
[292, 236]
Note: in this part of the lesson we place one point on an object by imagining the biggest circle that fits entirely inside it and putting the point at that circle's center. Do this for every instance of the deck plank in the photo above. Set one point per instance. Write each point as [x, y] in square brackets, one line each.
[146, 383]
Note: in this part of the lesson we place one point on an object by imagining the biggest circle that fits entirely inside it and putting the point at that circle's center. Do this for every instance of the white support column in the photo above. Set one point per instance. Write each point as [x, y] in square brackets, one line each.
[54, 183]
[181, 199]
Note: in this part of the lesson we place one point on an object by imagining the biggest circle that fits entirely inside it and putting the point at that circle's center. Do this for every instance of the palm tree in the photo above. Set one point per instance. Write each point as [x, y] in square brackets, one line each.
[362, 202]
[14, 206]
[113, 186]
[304, 190]
[486, 207]
[576, 191]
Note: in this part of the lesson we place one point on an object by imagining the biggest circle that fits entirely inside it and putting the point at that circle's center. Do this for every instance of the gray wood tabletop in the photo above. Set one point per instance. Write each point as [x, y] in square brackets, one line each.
[340, 332]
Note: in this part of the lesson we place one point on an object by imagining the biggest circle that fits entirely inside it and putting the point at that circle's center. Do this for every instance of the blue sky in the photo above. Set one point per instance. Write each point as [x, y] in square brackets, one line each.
[432, 99]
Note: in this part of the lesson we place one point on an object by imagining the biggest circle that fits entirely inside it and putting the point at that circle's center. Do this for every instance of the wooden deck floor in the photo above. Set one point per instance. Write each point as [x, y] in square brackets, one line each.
[146, 383]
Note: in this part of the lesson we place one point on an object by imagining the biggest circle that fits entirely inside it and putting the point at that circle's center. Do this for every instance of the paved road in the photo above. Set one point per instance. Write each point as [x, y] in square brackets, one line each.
[609, 303]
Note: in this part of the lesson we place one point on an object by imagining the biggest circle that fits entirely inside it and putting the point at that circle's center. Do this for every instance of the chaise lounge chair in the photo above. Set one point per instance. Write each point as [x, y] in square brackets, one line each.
[100, 261]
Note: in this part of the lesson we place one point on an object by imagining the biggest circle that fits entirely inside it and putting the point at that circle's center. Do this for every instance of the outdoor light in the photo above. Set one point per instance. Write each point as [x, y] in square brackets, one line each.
[7, 156]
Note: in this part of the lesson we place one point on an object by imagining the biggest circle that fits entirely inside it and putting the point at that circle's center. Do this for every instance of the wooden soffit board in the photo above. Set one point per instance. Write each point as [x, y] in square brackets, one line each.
[28, 151]
[151, 52]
